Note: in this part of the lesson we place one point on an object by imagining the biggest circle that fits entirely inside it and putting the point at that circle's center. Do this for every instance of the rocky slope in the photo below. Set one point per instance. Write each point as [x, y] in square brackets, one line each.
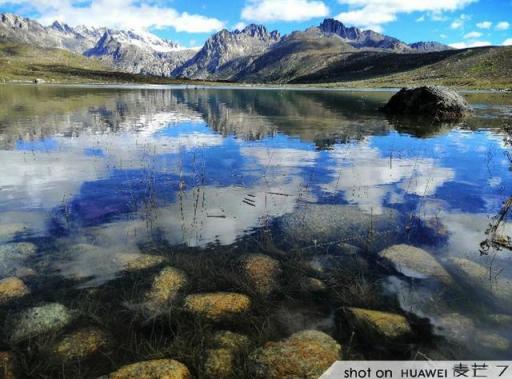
[226, 53]
[127, 51]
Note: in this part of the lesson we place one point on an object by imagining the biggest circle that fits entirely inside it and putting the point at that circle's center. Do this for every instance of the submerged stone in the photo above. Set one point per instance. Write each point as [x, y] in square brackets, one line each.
[81, 344]
[9, 231]
[12, 288]
[218, 305]
[262, 272]
[318, 223]
[437, 103]
[154, 369]
[231, 341]
[373, 323]
[414, 262]
[306, 354]
[165, 288]
[12, 256]
[479, 277]
[7, 365]
[38, 320]
[219, 363]
[314, 285]
[137, 262]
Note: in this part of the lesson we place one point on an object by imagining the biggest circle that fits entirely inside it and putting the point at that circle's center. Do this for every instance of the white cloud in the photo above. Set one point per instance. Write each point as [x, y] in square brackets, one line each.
[473, 35]
[420, 19]
[459, 22]
[484, 25]
[283, 10]
[377, 12]
[507, 42]
[122, 14]
[465, 45]
[503, 25]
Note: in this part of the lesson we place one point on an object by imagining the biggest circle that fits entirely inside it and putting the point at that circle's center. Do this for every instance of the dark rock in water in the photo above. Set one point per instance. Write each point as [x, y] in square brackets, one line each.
[437, 103]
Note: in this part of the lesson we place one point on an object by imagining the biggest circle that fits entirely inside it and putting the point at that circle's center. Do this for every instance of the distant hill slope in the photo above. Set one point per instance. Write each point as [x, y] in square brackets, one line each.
[23, 62]
[485, 67]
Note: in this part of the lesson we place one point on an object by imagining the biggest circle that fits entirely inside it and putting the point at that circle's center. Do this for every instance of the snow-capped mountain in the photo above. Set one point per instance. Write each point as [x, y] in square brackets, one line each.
[130, 51]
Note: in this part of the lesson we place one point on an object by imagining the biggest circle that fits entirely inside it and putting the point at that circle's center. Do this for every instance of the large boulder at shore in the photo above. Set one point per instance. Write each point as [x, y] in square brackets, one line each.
[306, 354]
[38, 320]
[12, 288]
[437, 103]
[154, 369]
[217, 306]
[414, 262]
[342, 223]
[262, 273]
[377, 324]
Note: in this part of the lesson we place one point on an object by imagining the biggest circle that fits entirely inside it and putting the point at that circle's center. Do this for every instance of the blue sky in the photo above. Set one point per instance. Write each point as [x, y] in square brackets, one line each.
[462, 23]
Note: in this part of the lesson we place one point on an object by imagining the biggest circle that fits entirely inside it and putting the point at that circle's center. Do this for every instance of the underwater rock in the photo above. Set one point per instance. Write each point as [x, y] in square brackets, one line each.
[462, 330]
[12, 288]
[219, 363]
[154, 369]
[218, 305]
[81, 344]
[501, 319]
[9, 231]
[165, 288]
[306, 354]
[436, 103]
[12, 256]
[414, 262]
[36, 321]
[262, 272]
[137, 262]
[232, 341]
[478, 276]
[373, 323]
[7, 365]
[320, 223]
[313, 285]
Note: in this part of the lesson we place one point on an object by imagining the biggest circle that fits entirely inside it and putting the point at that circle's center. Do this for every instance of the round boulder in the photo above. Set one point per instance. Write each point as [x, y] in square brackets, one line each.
[306, 354]
[231, 341]
[219, 363]
[217, 306]
[438, 103]
[154, 369]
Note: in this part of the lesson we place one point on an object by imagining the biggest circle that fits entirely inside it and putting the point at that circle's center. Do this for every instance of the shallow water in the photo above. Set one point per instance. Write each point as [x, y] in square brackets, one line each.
[318, 180]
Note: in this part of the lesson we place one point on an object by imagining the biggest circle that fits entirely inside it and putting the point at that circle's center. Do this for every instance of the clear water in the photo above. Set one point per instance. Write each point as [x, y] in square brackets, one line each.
[96, 177]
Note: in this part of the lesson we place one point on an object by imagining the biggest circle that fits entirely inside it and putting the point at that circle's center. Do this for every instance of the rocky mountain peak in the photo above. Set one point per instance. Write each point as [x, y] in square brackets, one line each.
[61, 27]
[330, 25]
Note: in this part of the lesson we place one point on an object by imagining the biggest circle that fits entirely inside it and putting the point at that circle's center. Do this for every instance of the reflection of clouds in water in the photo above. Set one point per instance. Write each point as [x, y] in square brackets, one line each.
[283, 157]
[368, 179]
[44, 179]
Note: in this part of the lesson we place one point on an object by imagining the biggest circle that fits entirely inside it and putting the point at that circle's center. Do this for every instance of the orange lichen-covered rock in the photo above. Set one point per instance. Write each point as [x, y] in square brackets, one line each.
[155, 369]
[218, 305]
[262, 272]
[12, 288]
[81, 344]
[305, 354]
[377, 323]
[165, 287]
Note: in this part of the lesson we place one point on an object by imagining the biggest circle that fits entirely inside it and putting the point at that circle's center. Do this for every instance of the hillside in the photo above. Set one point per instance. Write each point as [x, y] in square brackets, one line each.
[22, 62]
[485, 67]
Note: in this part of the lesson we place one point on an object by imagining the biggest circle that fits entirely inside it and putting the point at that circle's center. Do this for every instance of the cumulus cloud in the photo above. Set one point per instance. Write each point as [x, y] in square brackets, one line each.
[465, 45]
[459, 22]
[507, 42]
[503, 25]
[122, 14]
[283, 10]
[375, 13]
[473, 35]
[484, 25]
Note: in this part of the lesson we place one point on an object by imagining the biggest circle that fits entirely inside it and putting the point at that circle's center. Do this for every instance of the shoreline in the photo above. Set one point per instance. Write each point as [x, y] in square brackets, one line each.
[240, 86]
